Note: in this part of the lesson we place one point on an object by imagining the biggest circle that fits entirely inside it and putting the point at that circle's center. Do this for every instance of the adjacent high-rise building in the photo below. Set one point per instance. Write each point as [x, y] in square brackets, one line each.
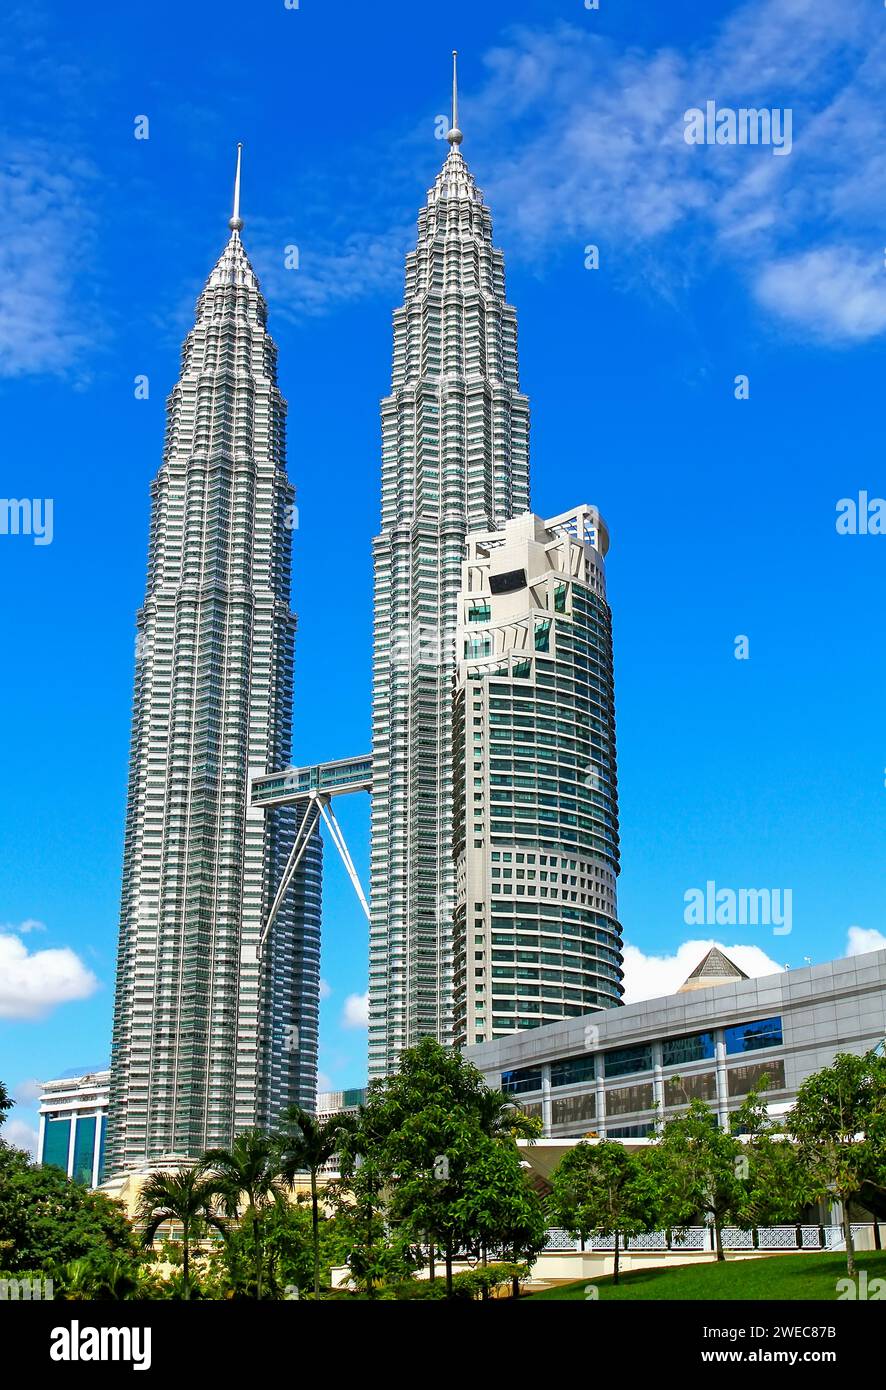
[455, 458]
[209, 1035]
[536, 935]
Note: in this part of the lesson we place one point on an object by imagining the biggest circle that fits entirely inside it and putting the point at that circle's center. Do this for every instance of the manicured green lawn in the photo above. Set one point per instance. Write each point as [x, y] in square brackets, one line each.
[782, 1276]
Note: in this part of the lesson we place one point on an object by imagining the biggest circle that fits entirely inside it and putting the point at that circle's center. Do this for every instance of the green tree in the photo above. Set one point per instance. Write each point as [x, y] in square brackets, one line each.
[247, 1176]
[5, 1105]
[106, 1278]
[46, 1220]
[427, 1128]
[186, 1198]
[501, 1118]
[839, 1123]
[495, 1208]
[775, 1178]
[602, 1187]
[699, 1170]
[377, 1253]
[306, 1144]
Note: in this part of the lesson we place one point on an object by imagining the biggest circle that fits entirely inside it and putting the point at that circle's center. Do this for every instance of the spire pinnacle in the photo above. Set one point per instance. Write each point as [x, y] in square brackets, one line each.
[455, 136]
[236, 221]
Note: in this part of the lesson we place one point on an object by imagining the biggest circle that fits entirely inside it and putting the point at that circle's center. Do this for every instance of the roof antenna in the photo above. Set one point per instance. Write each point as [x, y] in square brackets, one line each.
[455, 136]
[236, 221]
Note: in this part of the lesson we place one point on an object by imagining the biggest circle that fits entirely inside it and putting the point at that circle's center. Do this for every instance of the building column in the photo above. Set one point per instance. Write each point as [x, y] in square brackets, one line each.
[658, 1081]
[600, 1125]
[96, 1149]
[546, 1107]
[71, 1142]
[41, 1137]
[722, 1090]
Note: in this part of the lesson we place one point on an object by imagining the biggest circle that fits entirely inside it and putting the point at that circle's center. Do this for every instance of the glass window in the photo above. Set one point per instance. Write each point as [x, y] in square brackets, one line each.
[543, 635]
[84, 1148]
[680, 1090]
[570, 1071]
[479, 612]
[569, 1110]
[694, 1047]
[521, 1079]
[622, 1100]
[560, 598]
[743, 1079]
[624, 1060]
[55, 1143]
[747, 1037]
[629, 1131]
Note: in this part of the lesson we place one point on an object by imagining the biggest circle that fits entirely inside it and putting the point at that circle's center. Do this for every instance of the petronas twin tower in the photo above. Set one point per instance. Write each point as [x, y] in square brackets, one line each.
[215, 1024]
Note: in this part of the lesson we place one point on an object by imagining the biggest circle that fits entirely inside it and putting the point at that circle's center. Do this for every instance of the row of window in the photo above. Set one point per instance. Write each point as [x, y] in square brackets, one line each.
[623, 1061]
[628, 1100]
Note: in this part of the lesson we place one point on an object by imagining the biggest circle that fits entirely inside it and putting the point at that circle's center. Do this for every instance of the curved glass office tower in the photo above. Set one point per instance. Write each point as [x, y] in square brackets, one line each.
[207, 1038]
[536, 828]
[455, 458]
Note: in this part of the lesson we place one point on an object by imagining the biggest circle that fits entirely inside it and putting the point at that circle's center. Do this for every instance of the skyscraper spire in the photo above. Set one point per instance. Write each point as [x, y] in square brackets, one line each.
[236, 221]
[455, 136]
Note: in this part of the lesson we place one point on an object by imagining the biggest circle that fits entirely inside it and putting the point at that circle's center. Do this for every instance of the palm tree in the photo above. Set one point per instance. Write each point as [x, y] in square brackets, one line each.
[186, 1198]
[306, 1143]
[501, 1118]
[249, 1170]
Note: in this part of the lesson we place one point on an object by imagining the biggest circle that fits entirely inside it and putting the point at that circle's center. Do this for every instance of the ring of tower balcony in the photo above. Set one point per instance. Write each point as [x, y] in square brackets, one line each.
[536, 935]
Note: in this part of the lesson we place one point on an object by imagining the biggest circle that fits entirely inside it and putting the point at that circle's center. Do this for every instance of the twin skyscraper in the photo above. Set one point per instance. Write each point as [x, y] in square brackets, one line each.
[494, 842]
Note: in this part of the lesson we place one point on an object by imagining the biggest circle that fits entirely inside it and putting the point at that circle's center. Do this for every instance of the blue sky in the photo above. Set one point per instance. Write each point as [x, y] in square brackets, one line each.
[715, 261]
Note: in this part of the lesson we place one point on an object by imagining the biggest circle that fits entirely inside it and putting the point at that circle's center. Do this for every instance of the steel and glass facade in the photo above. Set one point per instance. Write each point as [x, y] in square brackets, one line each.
[617, 1074]
[536, 854]
[455, 458]
[209, 1038]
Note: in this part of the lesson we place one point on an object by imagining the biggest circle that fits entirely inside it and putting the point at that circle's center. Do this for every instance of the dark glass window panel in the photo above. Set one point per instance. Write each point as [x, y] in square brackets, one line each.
[624, 1060]
[747, 1037]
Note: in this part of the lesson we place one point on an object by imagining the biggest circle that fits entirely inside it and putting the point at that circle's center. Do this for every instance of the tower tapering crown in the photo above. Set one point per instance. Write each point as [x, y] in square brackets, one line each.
[455, 136]
[236, 221]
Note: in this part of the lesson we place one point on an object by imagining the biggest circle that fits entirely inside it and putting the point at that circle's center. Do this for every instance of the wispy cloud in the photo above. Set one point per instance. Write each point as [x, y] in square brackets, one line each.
[329, 274]
[835, 293]
[605, 160]
[46, 319]
[20, 1135]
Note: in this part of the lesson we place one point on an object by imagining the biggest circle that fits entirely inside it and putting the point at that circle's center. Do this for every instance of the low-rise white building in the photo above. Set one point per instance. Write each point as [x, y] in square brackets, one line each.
[73, 1119]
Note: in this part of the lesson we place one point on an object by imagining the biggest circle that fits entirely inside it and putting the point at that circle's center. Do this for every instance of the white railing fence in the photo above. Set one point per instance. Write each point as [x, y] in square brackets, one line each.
[733, 1238]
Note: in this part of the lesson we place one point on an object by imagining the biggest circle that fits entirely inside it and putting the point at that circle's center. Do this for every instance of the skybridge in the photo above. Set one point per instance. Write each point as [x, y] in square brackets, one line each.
[313, 788]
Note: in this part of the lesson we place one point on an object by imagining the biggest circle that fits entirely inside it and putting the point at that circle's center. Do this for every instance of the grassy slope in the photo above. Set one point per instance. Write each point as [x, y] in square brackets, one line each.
[783, 1276]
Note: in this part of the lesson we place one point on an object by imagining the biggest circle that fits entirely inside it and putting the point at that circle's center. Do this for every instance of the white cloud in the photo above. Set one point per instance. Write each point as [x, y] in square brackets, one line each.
[27, 1092]
[862, 939]
[48, 229]
[33, 983]
[329, 275]
[324, 1082]
[355, 1013]
[595, 153]
[649, 977]
[23, 928]
[834, 293]
[20, 1135]
[325, 989]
